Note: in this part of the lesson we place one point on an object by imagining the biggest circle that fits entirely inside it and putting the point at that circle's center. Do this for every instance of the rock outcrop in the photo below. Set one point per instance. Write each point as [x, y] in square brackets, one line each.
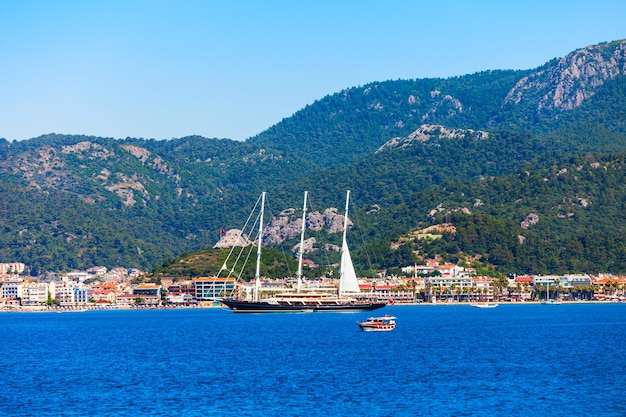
[574, 79]
[427, 132]
[233, 237]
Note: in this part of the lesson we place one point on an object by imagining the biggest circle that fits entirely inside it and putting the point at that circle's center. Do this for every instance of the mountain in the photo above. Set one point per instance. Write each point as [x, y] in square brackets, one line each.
[79, 201]
[356, 121]
[567, 216]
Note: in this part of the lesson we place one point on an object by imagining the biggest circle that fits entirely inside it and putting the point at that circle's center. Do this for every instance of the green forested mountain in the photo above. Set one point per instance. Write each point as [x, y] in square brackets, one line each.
[566, 216]
[355, 122]
[404, 147]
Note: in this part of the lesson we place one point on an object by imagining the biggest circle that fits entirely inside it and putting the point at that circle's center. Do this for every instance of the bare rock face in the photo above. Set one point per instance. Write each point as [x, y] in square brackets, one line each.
[574, 78]
[233, 237]
[531, 219]
[427, 132]
[334, 221]
[280, 229]
[308, 246]
[288, 226]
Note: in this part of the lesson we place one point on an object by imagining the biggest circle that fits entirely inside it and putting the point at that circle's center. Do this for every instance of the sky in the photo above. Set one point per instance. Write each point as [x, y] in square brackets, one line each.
[233, 68]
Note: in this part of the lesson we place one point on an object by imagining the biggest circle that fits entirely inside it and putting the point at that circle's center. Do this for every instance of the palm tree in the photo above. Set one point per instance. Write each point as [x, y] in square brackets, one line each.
[453, 289]
[525, 288]
[481, 292]
[538, 290]
[518, 288]
[429, 290]
[467, 291]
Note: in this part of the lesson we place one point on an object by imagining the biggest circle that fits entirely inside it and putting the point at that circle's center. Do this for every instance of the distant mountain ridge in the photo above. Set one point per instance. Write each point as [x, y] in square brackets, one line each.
[572, 79]
[366, 117]
[145, 200]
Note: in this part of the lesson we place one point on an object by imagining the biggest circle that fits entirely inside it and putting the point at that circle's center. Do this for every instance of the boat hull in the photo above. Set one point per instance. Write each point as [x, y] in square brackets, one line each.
[485, 305]
[239, 306]
[381, 328]
[378, 324]
[551, 303]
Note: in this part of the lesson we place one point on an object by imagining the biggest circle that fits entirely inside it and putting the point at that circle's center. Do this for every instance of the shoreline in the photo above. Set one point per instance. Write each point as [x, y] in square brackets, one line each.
[80, 309]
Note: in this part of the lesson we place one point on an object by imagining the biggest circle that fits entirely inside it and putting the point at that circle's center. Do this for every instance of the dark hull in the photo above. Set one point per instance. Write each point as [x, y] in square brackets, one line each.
[238, 306]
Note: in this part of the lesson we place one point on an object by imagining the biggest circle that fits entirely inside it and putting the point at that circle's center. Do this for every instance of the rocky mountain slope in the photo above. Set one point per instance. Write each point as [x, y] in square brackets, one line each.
[78, 201]
[570, 81]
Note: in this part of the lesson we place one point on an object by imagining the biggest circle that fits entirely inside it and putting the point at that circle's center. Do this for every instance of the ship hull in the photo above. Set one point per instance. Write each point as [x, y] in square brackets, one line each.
[238, 306]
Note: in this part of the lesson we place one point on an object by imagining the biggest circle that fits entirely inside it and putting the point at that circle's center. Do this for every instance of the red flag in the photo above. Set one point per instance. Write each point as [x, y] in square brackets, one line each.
[222, 231]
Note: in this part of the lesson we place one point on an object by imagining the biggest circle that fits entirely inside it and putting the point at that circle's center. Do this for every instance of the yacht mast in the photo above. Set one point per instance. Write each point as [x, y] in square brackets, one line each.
[344, 248]
[345, 219]
[257, 274]
[299, 273]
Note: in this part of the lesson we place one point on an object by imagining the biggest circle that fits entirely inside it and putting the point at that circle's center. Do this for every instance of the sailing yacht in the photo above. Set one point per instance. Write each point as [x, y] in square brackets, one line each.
[306, 301]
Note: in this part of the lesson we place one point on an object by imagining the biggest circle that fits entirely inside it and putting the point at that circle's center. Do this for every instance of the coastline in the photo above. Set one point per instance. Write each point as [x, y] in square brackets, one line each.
[80, 309]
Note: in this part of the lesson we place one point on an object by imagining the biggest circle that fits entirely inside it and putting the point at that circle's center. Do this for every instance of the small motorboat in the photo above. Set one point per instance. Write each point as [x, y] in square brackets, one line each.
[378, 324]
[485, 305]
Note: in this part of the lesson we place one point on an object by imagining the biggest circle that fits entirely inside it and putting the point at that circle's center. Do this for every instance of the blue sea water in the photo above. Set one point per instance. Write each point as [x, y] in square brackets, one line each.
[566, 360]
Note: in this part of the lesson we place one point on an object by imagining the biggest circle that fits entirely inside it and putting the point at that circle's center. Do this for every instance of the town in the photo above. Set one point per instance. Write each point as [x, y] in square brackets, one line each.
[121, 288]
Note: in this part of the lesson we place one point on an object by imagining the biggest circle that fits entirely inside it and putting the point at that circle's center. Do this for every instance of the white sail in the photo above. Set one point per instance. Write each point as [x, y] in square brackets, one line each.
[348, 282]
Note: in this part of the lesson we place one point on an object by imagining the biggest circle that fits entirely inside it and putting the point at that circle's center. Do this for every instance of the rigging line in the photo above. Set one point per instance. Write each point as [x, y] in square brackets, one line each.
[250, 251]
[359, 230]
[251, 248]
[281, 246]
[242, 247]
[241, 234]
[319, 235]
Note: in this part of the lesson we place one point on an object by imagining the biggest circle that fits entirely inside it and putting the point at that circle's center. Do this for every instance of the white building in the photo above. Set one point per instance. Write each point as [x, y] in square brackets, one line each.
[78, 276]
[80, 296]
[34, 293]
[12, 268]
[12, 289]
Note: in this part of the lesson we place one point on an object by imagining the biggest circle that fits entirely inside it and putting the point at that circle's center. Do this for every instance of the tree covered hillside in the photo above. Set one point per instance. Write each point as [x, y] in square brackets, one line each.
[564, 217]
[404, 148]
[355, 122]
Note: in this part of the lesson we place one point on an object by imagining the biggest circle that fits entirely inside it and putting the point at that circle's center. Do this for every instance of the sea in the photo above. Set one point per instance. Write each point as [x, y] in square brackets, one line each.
[442, 360]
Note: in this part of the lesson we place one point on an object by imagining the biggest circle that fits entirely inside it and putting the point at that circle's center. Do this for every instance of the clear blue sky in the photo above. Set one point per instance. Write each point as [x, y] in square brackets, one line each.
[231, 69]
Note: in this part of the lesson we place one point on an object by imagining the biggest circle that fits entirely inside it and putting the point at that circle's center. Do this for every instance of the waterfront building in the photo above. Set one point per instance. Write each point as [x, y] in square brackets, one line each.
[572, 281]
[153, 290]
[80, 296]
[137, 299]
[62, 291]
[12, 289]
[179, 298]
[545, 280]
[522, 288]
[210, 289]
[180, 288]
[103, 295]
[34, 293]
[451, 281]
[482, 286]
[393, 293]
